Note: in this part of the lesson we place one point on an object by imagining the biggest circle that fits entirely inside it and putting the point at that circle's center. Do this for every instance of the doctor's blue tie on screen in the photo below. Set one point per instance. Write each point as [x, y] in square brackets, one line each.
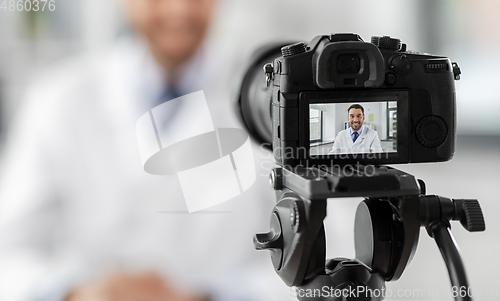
[355, 136]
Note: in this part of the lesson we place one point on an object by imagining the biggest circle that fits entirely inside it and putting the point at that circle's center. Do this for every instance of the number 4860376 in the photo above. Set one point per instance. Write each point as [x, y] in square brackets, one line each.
[28, 5]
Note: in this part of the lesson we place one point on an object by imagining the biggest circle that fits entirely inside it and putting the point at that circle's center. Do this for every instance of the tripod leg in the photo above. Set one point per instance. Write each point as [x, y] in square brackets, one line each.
[446, 244]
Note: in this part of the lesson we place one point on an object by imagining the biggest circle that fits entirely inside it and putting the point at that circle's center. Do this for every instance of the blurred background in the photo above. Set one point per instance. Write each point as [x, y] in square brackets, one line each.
[466, 31]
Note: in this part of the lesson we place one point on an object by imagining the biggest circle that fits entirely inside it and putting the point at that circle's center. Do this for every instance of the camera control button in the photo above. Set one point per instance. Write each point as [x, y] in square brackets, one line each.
[400, 64]
[390, 79]
[431, 131]
[277, 67]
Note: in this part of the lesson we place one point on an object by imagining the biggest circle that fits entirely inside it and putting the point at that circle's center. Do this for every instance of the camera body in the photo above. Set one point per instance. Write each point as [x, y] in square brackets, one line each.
[408, 100]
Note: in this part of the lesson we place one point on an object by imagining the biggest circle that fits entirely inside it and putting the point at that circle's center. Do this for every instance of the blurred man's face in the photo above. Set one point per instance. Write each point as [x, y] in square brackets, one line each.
[356, 118]
[174, 29]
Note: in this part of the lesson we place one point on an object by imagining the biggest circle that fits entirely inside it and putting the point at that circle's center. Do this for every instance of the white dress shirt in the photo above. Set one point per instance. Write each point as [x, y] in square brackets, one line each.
[367, 142]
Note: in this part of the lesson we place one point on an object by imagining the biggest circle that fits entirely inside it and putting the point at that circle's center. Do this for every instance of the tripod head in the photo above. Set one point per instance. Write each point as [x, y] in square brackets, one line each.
[386, 231]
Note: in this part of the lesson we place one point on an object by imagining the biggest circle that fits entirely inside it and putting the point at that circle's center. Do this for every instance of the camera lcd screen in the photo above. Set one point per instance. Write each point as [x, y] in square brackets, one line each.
[353, 128]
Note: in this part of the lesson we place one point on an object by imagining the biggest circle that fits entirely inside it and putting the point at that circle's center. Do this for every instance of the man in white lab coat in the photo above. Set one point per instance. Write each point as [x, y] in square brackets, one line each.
[357, 139]
[79, 217]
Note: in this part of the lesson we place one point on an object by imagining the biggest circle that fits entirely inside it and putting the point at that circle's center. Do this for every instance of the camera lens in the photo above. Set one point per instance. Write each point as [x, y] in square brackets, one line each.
[254, 101]
[348, 63]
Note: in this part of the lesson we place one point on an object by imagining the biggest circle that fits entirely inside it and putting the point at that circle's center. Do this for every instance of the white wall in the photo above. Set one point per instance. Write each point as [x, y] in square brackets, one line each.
[460, 29]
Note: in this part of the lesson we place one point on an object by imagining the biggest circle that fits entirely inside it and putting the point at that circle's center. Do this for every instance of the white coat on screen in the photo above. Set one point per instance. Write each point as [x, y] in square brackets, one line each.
[367, 142]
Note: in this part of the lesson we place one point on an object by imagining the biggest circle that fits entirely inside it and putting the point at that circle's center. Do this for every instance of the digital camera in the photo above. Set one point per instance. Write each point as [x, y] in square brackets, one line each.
[340, 100]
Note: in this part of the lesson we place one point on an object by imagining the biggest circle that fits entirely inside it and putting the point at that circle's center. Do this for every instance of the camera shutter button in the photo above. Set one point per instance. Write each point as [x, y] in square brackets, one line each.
[431, 131]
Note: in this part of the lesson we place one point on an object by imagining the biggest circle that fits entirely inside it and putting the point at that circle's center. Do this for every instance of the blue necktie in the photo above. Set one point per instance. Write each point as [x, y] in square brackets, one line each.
[355, 136]
[170, 92]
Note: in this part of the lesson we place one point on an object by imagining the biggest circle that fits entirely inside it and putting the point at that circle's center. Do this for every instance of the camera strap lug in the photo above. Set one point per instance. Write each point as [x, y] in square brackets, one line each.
[456, 71]
[268, 70]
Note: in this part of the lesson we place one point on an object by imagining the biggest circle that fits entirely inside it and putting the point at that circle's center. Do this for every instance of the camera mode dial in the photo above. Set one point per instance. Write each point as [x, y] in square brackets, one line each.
[400, 64]
[293, 49]
[386, 42]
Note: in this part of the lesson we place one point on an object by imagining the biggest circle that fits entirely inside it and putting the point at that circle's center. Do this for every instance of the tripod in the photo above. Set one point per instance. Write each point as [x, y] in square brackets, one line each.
[386, 230]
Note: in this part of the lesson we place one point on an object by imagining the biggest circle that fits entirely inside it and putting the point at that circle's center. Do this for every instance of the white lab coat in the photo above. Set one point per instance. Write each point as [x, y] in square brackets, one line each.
[75, 201]
[367, 142]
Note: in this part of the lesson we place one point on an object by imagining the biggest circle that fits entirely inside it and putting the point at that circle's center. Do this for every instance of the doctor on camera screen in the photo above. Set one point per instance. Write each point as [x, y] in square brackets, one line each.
[357, 138]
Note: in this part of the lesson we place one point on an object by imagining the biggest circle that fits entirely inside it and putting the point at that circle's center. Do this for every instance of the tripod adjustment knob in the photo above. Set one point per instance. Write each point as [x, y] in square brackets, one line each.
[276, 179]
[469, 213]
[272, 240]
[269, 240]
